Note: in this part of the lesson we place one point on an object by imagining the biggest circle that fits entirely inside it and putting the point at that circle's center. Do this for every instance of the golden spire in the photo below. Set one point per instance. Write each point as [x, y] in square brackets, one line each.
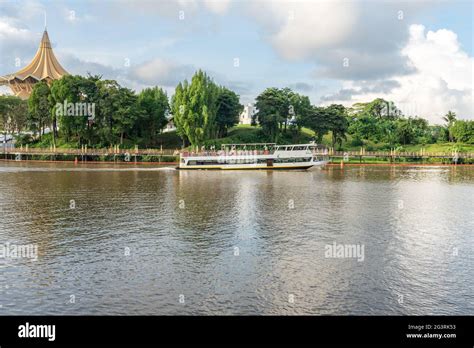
[44, 64]
[43, 67]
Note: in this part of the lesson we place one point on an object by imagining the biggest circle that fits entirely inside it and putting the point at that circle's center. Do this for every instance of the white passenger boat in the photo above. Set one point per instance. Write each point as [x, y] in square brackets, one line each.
[256, 156]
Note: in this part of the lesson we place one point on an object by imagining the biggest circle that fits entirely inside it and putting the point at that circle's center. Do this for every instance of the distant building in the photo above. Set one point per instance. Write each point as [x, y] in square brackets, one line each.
[170, 127]
[246, 115]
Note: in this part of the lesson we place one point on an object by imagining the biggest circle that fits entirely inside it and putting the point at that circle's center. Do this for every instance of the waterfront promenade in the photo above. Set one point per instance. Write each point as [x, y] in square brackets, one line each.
[170, 155]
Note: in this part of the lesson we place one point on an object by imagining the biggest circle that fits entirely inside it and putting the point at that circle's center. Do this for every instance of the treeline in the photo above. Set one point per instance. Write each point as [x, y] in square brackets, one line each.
[99, 113]
[281, 111]
[118, 113]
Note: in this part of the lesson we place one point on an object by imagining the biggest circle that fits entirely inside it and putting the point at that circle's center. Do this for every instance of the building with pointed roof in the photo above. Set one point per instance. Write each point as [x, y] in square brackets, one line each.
[43, 67]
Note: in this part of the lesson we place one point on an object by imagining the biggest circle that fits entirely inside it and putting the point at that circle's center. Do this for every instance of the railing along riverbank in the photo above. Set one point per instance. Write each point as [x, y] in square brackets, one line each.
[85, 154]
[453, 157]
[115, 154]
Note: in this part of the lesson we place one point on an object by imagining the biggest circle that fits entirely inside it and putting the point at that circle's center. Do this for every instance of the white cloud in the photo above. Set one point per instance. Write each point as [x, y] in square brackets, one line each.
[217, 6]
[9, 32]
[309, 26]
[160, 72]
[438, 54]
[443, 79]
[16, 45]
[26, 10]
[328, 33]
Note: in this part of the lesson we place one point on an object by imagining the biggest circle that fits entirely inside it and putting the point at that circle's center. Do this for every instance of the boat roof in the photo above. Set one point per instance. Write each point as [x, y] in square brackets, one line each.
[223, 146]
[271, 145]
[249, 144]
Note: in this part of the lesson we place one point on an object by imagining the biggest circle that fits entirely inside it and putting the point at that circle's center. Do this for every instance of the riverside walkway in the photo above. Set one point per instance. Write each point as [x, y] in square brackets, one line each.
[117, 154]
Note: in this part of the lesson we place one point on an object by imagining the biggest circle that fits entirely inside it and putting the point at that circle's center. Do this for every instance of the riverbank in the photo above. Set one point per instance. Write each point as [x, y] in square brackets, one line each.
[175, 163]
[89, 162]
[136, 155]
[89, 157]
[411, 164]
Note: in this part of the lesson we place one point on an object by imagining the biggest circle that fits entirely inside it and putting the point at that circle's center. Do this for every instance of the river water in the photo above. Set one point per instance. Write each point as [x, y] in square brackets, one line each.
[144, 240]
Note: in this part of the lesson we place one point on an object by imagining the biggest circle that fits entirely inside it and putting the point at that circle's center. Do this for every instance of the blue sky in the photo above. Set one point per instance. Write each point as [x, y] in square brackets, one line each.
[417, 53]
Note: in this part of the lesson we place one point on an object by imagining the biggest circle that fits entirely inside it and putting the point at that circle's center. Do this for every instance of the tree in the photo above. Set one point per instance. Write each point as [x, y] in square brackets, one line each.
[374, 121]
[154, 108]
[463, 131]
[420, 128]
[378, 108]
[299, 110]
[12, 114]
[277, 108]
[318, 120]
[437, 133]
[405, 133]
[107, 105]
[116, 110]
[19, 115]
[449, 118]
[39, 108]
[363, 126]
[228, 110]
[125, 113]
[66, 90]
[338, 124]
[194, 107]
[272, 111]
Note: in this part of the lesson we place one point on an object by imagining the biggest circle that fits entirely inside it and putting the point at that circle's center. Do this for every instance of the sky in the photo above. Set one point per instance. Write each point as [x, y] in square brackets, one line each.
[418, 54]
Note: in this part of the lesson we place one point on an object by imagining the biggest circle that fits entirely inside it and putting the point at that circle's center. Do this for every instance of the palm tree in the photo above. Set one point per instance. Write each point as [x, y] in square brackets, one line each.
[450, 118]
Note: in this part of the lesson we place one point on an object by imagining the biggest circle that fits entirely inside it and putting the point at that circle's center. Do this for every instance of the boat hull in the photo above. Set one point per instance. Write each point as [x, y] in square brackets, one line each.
[276, 166]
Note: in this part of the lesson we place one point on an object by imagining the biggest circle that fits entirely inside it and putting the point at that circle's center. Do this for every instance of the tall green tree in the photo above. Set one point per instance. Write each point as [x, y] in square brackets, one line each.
[449, 118]
[194, 107]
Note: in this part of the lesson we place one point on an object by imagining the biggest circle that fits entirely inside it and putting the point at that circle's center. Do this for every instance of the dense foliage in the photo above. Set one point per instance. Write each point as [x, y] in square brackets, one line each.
[91, 111]
[13, 115]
